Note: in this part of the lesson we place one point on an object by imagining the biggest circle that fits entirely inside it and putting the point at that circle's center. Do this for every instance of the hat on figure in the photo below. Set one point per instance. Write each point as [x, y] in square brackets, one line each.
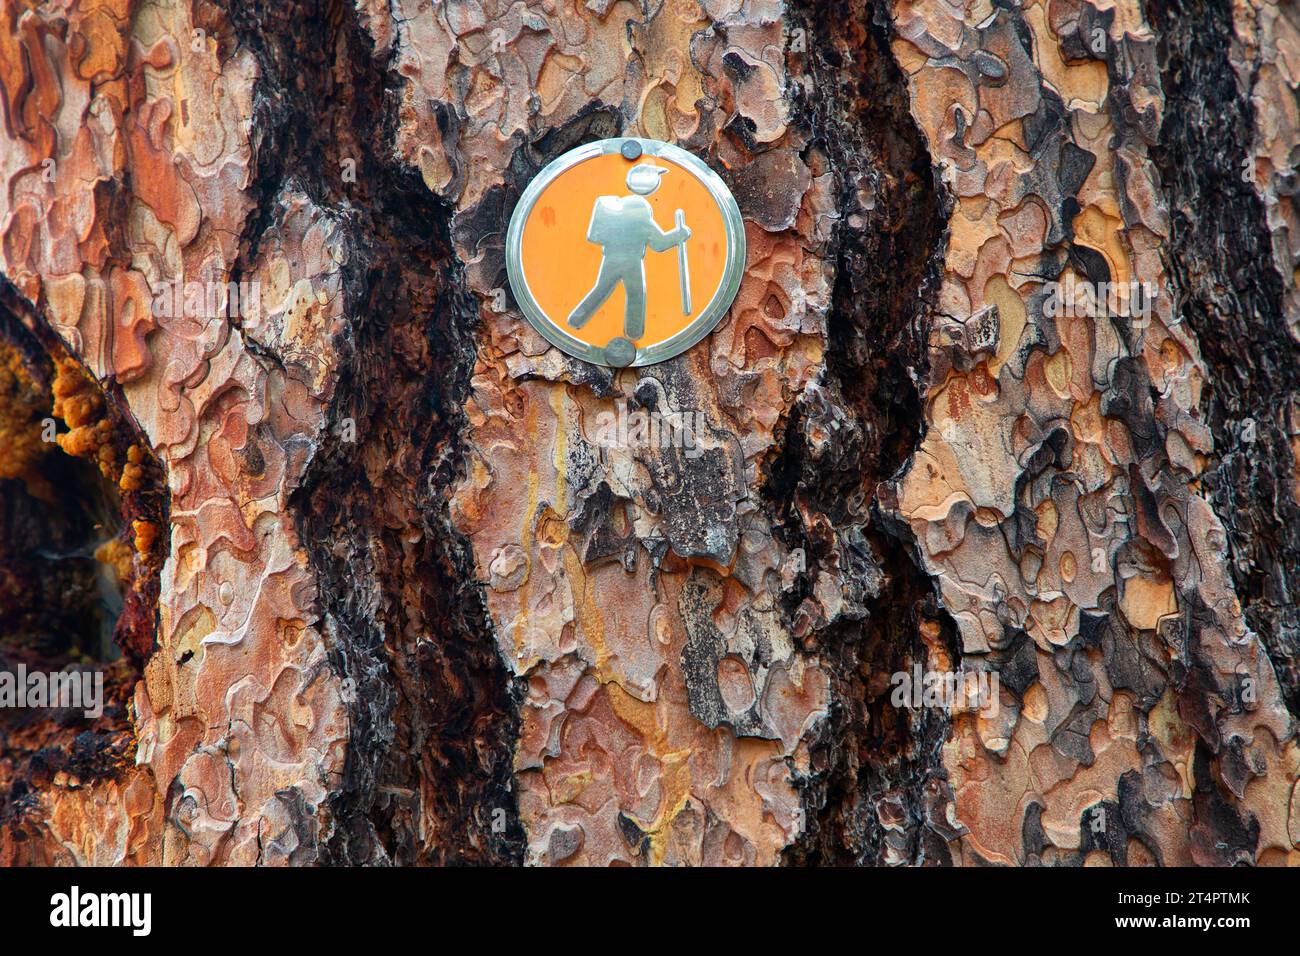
[643, 179]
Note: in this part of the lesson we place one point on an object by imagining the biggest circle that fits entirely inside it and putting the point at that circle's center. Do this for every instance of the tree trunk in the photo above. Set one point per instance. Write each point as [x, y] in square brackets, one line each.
[1008, 396]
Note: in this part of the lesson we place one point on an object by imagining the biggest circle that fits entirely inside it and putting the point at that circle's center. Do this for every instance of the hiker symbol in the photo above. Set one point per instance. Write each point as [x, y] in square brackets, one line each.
[595, 221]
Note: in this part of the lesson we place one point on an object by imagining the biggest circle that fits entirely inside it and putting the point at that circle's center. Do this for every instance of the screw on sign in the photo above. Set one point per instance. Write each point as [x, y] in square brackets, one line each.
[625, 251]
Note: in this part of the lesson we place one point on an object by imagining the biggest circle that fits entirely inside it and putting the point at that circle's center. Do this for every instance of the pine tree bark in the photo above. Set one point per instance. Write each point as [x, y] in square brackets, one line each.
[380, 597]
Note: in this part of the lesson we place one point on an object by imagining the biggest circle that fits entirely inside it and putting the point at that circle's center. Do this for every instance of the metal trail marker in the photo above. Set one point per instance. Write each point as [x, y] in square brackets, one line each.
[589, 258]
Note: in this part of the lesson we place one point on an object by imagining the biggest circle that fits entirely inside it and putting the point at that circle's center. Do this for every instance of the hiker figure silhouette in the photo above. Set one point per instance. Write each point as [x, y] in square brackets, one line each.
[624, 226]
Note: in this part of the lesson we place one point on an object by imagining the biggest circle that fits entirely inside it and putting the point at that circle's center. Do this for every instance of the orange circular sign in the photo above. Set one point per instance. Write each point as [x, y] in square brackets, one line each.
[625, 251]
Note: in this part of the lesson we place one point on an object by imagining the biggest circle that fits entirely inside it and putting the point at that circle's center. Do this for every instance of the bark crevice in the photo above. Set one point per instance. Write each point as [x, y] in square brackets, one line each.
[1228, 290]
[432, 712]
[878, 786]
[79, 584]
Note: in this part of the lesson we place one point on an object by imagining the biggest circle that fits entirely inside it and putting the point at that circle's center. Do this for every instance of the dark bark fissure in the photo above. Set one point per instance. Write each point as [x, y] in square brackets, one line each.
[433, 712]
[67, 599]
[1228, 290]
[877, 790]
[53, 517]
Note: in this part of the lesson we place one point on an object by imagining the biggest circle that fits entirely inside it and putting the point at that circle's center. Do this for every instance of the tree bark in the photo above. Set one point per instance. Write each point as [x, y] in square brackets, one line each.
[367, 589]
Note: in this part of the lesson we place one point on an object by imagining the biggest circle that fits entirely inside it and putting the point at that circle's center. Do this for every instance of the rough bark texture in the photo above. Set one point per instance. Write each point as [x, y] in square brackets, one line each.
[369, 590]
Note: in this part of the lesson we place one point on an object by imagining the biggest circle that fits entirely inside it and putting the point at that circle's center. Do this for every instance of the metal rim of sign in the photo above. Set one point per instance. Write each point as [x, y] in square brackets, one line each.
[700, 326]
